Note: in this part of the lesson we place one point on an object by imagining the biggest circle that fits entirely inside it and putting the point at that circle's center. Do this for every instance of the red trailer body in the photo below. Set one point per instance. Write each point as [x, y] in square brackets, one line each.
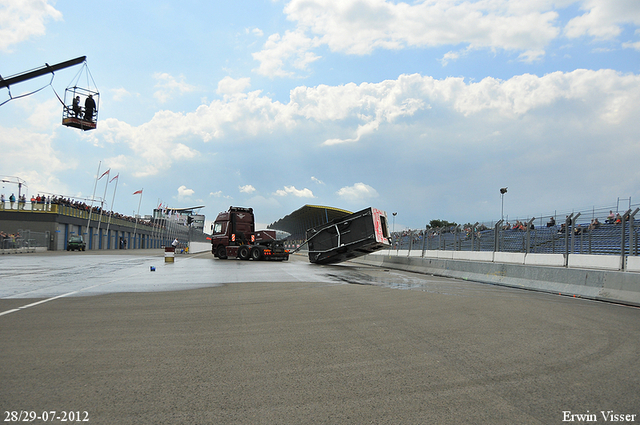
[352, 236]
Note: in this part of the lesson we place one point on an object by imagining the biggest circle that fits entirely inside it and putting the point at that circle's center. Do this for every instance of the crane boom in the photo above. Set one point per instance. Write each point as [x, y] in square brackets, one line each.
[46, 69]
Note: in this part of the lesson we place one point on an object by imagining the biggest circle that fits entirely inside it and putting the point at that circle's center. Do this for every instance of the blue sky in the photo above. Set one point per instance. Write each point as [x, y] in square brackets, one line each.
[424, 108]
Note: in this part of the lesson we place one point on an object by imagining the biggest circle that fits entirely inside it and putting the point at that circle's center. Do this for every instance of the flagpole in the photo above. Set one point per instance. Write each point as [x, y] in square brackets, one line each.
[91, 207]
[154, 232]
[104, 197]
[111, 209]
[137, 215]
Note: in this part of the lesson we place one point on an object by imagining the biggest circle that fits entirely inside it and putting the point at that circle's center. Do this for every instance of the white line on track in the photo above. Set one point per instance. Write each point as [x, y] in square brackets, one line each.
[65, 295]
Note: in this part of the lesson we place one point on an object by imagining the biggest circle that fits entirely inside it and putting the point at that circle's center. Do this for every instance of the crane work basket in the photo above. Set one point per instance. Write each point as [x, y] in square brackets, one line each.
[81, 105]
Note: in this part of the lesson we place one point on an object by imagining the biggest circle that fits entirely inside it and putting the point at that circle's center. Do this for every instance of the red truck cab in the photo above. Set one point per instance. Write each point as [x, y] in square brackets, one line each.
[234, 236]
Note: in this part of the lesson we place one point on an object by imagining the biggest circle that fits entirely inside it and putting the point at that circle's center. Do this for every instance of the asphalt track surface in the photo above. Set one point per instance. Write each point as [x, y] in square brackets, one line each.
[205, 341]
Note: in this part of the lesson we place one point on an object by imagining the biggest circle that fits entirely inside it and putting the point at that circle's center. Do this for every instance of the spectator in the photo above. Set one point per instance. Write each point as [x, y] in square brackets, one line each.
[610, 218]
[551, 222]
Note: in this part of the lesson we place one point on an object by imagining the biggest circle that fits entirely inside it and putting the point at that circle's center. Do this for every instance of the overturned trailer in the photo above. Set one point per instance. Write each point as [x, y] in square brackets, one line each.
[352, 236]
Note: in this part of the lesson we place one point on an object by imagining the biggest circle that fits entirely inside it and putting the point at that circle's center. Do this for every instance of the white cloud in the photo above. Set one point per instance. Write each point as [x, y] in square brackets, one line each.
[219, 194]
[247, 189]
[363, 111]
[229, 86]
[448, 57]
[632, 45]
[317, 180]
[357, 192]
[120, 94]
[362, 130]
[291, 190]
[372, 104]
[168, 86]
[531, 55]
[181, 151]
[21, 20]
[184, 193]
[21, 148]
[44, 114]
[293, 48]
[604, 19]
[359, 27]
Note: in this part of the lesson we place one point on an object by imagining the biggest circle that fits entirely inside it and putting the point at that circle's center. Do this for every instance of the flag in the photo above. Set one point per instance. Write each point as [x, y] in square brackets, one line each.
[105, 173]
[137, 191]
[114, 178]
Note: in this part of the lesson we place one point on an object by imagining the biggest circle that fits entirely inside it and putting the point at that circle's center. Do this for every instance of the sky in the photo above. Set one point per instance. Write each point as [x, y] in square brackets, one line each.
[424, 108]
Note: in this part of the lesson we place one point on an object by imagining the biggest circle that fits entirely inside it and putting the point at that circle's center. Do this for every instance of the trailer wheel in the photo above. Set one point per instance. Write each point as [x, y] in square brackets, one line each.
[243, 252]
[256, 253]
[221, 252]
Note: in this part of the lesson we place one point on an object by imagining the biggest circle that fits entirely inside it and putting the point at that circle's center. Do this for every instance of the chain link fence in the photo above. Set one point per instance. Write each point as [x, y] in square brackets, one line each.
[604, 233]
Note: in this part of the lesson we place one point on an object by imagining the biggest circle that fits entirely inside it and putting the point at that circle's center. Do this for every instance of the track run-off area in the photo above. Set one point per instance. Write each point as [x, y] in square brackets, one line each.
[203, 340]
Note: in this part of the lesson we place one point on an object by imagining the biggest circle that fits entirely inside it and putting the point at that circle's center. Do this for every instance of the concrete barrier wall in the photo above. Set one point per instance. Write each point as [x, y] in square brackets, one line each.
[604, 285]
[602, 262]
[195, 247]
[556, 260]
[486, 256]
[576, 261]
[633, 264]
[508, 257]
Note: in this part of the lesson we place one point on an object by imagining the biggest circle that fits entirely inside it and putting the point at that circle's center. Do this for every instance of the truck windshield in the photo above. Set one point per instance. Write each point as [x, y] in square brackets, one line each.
[218, 228]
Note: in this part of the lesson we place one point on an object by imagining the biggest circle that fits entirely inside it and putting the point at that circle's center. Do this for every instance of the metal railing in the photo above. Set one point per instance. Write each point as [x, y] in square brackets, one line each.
[620, 236]
[25, 239]
[69, 211]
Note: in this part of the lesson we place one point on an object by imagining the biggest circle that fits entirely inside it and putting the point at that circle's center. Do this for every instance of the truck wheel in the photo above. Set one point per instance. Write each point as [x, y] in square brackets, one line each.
[256, 253]
[243, 252]
[221, 252]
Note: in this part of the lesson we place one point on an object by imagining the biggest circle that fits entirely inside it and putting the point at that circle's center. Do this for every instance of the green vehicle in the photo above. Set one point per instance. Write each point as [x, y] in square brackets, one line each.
[76, 242]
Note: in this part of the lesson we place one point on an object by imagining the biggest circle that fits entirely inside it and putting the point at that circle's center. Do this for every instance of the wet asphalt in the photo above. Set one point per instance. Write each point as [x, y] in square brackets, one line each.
[205, 341]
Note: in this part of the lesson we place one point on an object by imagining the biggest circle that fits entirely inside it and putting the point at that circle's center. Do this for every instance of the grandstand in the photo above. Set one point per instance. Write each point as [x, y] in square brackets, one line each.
[609, 237]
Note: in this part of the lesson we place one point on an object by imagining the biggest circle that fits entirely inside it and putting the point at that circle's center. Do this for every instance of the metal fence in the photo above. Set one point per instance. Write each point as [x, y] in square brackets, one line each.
[25, 239]
[573, 235]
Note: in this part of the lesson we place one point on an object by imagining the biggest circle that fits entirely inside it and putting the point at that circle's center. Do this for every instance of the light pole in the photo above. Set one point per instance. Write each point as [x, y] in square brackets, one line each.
[393, 226]
[502, 192]
[19, 182]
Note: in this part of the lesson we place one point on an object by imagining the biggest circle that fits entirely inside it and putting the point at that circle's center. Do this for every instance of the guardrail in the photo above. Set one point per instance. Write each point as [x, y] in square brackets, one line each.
[67, 210]
[571, 239]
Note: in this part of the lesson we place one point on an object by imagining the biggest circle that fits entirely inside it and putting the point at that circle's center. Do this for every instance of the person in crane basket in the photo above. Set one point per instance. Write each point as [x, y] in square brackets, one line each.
[76, 106]
[89, 107]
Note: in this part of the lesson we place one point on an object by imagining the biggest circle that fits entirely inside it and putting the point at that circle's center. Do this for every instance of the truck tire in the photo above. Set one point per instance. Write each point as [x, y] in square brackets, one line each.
[243, 252]
[221, 252]
[256, 253]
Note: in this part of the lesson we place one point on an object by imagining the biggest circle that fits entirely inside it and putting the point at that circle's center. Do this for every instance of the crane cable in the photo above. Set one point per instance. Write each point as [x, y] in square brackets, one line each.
[29, 94]
[77, 77]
